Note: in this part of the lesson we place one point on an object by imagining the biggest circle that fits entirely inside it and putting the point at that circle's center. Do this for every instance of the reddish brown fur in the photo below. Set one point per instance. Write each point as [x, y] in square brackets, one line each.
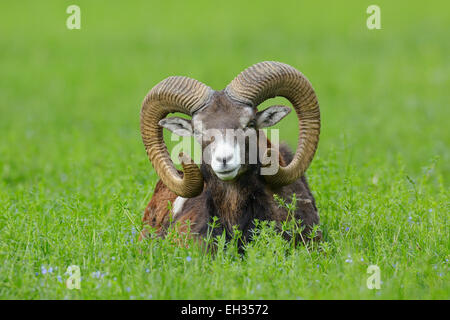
[157, 212]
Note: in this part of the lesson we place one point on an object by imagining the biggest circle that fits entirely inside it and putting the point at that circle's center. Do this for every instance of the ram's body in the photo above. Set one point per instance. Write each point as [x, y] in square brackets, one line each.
[234, 204]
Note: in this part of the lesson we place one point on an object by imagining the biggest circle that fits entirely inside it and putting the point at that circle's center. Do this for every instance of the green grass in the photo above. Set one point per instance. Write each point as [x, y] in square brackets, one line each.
[74, 177]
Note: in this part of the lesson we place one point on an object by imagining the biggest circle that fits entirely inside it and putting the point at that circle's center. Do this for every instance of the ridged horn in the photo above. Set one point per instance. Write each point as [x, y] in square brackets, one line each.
[269, 79]
[174, 94]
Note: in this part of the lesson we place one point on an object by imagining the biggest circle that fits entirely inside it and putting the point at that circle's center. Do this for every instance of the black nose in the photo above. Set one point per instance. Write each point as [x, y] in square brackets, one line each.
[225, 159]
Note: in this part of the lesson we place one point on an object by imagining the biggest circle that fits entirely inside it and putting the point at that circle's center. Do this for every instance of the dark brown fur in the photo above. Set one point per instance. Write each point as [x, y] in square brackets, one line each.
[235, 203]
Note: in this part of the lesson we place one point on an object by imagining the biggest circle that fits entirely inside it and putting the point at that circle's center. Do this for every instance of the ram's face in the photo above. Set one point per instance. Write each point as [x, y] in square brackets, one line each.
[221, 128]
[227, 132]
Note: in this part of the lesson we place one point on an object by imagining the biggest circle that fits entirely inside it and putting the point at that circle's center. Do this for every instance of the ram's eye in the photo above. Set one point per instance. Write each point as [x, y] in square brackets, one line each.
[251, 124]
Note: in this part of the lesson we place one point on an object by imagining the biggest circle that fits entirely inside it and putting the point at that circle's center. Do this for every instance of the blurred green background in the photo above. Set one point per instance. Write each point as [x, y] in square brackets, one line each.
[70, 99]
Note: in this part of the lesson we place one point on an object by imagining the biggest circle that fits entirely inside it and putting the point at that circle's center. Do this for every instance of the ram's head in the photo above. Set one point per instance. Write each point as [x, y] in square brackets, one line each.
[217, 113]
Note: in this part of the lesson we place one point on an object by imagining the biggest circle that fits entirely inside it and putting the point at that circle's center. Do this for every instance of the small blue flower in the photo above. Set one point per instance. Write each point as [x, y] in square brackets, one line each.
[37, 273]
[128, 289]
[188, 258]
[347, 228]
[43, 270]
[147, 270]
[113, 258]
[50, 270]
[59, 278]
[103, 261]
[96, 274]
[362, 259]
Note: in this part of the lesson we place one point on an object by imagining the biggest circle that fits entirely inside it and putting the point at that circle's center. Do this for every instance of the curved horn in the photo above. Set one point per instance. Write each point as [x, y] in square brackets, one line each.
[174, 94]
[270, 79]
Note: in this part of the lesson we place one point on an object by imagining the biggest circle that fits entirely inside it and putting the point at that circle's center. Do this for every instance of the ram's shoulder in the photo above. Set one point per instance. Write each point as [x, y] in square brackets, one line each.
[157, 212]
[286, 153]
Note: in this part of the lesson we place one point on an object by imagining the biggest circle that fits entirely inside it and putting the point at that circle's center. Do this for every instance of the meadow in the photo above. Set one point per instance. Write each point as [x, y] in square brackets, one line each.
[75, 179]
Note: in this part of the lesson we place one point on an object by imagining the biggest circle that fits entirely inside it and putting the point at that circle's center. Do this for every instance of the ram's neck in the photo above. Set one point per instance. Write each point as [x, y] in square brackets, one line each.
[235, 203]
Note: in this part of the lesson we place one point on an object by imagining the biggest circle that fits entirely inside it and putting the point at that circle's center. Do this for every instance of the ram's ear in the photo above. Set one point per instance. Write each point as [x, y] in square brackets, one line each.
[177, 125]
[271, 116]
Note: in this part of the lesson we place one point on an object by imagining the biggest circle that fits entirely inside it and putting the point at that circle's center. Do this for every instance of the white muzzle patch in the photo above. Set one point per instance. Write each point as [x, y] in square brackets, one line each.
[226, 160]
